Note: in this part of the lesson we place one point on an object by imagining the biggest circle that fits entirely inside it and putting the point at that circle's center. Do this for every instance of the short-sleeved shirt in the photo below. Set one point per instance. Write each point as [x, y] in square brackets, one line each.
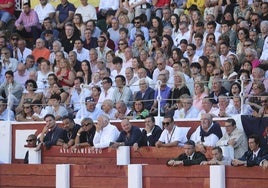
[64, 11]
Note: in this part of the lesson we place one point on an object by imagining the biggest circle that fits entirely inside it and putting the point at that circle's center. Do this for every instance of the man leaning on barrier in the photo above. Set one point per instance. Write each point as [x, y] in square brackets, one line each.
[189, 157]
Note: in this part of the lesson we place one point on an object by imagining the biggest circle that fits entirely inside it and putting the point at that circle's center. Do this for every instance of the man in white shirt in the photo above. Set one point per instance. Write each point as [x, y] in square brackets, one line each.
[207, 134]
[105, 132]
[82, 53]
[22, 52]
[171, 135]
[107, 89]
[44, 10]
[90, 111]
[87, 11]
[187, 110]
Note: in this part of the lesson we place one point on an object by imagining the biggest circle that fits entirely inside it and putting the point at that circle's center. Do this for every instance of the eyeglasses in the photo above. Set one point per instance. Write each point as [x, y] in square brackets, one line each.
[165, 123]
[85, 125]
[186, 103]
[30, 140]
[216, 74]
[247, 45]
[136, 22]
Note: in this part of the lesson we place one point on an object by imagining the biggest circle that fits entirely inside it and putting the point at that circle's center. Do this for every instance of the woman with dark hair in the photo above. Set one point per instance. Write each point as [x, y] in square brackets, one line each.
[167, 45]
[176, 56]
[209, 69]
[136, 65]
[203, 61]
[27, 112]
[157, 23]
[235, 89]
[30, 95]
[95, 92]
[57, 89]
[156, 44]
[139, 112]
[242, 35]
[86, 70]
[122, 45]
[174, 20]
[210, 39]
[79, 26]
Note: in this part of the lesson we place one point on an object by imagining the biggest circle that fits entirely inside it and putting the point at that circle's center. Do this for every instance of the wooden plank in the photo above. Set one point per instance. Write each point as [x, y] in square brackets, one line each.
[22, 169]
[80, 160]
[98, 170]
[27, 181]
[195, 171]
[250, 182]
[239, 172]
[99, 182]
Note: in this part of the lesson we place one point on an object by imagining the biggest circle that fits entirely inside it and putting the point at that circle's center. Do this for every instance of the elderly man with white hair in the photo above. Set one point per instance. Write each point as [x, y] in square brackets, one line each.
[105, 132]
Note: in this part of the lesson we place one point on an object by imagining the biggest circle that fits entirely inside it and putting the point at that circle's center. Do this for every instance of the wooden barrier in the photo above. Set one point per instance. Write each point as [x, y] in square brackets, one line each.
[87, 155]
[20, 175]
[153, 176]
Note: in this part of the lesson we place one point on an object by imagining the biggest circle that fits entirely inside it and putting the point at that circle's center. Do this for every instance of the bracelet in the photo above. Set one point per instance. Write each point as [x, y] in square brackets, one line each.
[78, 134]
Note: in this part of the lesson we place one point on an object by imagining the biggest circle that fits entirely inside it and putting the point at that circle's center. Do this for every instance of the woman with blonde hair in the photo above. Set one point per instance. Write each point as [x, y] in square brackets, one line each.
[199, 94]
[177, 90]
[65, 75]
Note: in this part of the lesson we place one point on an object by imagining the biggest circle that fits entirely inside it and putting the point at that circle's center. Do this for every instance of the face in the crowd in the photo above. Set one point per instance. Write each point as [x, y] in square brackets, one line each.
[229, 127]
[50, 122]
[31, 141]
[87, 125]
[168, 124]
[67, 124]
[253, 146]
[216, 155]
[126, 126]
[206, 121]
[149, 123]
[188, 149]
[138, 106]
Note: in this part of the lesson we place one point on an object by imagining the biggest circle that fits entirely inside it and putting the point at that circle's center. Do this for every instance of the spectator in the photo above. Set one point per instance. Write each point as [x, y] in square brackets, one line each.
[128, 136]
[44, 10]
[108, 109]
[253, 156]
[207, 134]
[150, 134]
[70, 131]
[122, 110]
[139, 112]
[55, 107]
[235, 138]
[39, 111]
[8, 63]
[91, 110]
[90, 41]
[15, 88]
[51, 133]
[31, 142]
[145, 93]
[77, 95]
[105, 132]
[27, 25]
[65, 75]
[187, 110]
[21, 52]
[7, 12]
[30, 94]
[138, 27]
[26, 113]
[40, 51]
[64, 13]
[85, 134]
[171, 135]
[189, 157]
[22, 74]
[102, 48]
[121, 91]
[5, 112]
[217, 158]
[68, 37]
[48, 25]
[87, 11]
[107, 89]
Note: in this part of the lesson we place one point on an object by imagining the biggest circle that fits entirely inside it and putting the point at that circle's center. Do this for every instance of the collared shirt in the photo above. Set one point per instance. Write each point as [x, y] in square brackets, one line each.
[28, 20]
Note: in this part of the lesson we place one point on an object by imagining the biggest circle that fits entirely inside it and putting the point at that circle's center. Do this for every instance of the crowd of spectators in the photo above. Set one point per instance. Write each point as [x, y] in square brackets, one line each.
[206, 56]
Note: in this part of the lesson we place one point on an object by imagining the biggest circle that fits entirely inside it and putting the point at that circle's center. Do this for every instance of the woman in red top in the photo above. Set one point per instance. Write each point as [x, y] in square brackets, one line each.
[65, 75]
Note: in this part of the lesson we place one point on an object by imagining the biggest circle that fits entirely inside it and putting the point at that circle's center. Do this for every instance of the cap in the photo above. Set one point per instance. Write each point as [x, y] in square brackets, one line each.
[89, 99]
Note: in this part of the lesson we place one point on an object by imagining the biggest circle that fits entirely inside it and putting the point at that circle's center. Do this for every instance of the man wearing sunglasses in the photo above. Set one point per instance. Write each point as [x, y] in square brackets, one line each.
[171, 135]
[31, 142]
